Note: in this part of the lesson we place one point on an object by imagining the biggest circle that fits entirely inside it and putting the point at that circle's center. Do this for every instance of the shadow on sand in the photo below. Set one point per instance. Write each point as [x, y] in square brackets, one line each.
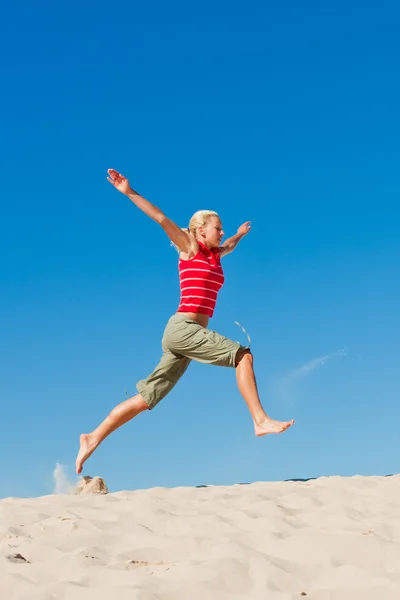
[296, 480]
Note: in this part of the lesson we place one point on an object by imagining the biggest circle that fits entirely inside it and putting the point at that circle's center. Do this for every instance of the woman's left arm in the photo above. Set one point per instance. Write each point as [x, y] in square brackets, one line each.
[230, 244]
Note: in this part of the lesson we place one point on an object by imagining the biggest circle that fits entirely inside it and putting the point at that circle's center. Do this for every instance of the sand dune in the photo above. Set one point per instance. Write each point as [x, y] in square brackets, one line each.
[326, 539]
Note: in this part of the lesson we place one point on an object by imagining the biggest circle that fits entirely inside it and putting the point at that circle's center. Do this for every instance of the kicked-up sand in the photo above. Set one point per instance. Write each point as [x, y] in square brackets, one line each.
[332, 538]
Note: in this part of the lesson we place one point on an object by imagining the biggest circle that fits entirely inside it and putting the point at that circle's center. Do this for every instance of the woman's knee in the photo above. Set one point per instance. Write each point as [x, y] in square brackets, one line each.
[244, 356]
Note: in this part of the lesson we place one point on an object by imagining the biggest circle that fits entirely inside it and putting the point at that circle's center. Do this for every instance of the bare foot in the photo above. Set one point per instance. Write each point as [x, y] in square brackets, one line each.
[270, 426]
[88, 446]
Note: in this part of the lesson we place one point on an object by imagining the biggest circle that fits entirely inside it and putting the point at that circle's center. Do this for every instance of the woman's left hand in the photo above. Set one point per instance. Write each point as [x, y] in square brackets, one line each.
[244, 229]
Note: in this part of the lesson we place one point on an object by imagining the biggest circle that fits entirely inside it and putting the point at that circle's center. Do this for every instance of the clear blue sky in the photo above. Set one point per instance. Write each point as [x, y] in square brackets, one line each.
[287, 116]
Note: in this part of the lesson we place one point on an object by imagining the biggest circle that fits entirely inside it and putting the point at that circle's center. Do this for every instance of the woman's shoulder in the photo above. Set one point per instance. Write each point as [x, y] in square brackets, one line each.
[194, 249]
[185, 256]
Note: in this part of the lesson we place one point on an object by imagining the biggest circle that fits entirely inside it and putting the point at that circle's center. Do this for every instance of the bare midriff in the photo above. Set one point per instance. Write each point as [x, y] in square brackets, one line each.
[198, 317]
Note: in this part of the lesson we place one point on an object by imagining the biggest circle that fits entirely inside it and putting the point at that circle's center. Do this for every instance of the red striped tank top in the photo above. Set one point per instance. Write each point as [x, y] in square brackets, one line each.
[201, 278]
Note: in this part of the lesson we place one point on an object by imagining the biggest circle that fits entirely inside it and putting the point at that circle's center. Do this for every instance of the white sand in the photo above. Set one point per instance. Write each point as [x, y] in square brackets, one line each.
[329, 539]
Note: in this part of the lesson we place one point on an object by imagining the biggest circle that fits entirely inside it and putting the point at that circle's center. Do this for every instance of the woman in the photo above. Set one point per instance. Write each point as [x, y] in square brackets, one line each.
[186, 336]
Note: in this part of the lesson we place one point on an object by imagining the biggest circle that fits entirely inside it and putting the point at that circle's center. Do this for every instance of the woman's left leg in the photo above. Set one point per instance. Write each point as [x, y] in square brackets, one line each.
[151, 390]
[120, 414]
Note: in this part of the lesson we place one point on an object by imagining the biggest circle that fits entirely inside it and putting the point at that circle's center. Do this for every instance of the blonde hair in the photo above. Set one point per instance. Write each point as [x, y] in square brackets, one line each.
[199, 219]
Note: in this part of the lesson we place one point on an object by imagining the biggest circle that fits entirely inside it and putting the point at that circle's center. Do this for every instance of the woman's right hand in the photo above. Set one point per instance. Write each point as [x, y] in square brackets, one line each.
[120, 182]
[185, 241]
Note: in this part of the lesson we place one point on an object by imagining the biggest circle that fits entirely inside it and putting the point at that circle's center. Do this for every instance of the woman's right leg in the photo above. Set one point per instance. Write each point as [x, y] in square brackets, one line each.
[207, 346]
[247, 385]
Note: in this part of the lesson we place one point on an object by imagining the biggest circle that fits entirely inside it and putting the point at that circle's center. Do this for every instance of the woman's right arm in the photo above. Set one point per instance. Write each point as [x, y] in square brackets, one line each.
[179, 237]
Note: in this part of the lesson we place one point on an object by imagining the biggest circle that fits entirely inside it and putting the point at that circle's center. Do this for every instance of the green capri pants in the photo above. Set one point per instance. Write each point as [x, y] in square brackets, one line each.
[185, 340]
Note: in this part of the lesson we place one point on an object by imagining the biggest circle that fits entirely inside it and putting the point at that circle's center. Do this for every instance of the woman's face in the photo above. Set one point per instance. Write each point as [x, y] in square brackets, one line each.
[212, 232]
